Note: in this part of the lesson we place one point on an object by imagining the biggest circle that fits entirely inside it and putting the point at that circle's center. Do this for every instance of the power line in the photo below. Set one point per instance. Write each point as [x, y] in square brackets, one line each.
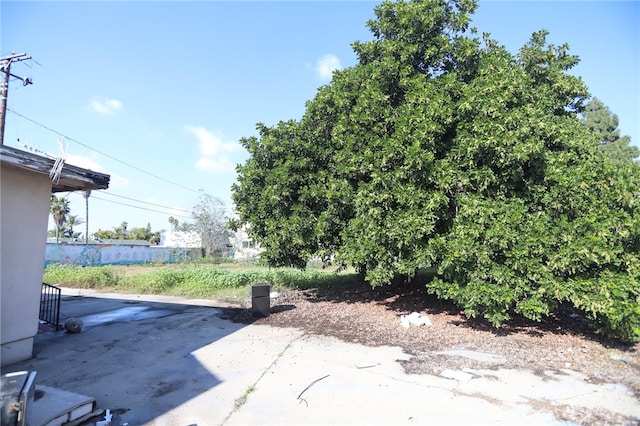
[102, 153]
[144, 202]
[138, 207]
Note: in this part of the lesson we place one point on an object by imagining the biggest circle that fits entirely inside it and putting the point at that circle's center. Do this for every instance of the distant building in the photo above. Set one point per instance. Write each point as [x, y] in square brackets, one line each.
[180, 239]
[240, 246]
[244, 248]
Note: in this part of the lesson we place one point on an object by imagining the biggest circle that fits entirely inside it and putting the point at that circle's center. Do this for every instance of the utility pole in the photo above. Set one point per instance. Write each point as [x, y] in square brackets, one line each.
[86, 195]
[6, 68]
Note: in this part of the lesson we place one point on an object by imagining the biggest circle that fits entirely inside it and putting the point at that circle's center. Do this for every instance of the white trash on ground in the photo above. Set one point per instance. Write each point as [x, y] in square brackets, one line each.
[416, 319]
[106, 421]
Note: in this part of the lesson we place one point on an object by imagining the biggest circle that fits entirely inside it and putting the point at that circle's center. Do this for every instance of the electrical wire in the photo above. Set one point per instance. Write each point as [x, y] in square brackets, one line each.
[122, 162]
[145, 202]
[101, 153]
[118, 160]
[140, 208]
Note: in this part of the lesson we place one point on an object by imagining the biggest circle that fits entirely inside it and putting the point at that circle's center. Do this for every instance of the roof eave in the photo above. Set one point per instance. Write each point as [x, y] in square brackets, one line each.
[71, 178]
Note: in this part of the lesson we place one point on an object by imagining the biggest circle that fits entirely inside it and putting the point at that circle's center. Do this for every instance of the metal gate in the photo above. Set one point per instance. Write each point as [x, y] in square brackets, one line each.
[50, 304]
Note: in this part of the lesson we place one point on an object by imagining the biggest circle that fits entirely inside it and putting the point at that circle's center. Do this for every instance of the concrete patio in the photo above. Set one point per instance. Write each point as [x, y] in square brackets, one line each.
[155, 360]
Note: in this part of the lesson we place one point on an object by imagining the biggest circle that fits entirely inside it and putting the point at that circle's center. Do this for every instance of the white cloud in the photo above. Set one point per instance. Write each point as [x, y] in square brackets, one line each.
[217, 165]
[118, 181]
[84, 162]
[326, 65]
[115, 181]
[210, 144]
[105, 106]
[213, 150]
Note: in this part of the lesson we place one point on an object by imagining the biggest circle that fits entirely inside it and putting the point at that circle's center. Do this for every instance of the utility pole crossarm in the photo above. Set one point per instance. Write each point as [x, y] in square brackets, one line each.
[6, 62]
[16, 56]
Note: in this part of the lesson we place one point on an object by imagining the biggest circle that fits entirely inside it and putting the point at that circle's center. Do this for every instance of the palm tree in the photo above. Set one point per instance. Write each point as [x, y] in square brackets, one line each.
[72, 220]
[59, 209]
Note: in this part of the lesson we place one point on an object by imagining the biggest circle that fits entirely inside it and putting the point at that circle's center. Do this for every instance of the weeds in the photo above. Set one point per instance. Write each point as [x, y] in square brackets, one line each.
[82, 277]
[190, 280]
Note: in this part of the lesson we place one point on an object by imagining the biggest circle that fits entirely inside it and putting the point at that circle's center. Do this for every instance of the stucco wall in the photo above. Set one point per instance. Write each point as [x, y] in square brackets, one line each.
[24, 207]
[110, 254]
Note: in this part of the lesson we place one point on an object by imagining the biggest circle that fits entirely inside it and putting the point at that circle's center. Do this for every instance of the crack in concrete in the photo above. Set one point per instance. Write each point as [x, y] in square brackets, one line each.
[239, 402]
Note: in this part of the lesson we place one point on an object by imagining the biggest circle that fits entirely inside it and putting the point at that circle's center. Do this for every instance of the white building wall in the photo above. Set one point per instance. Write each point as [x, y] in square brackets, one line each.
[24, 211]
[180, 239]
[243, 247]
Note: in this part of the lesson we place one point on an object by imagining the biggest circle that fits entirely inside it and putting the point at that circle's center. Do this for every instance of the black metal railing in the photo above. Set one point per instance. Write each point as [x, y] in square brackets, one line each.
[50, 304]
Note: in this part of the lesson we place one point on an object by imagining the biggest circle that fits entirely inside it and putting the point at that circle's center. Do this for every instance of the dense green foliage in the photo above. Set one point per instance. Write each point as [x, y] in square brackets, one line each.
[123, 232]
[187, 280]
[604, 125]
[82, 277]
[440, 149]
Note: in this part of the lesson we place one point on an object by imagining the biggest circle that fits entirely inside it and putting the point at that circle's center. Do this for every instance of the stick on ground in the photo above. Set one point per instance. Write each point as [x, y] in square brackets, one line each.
[310, 384]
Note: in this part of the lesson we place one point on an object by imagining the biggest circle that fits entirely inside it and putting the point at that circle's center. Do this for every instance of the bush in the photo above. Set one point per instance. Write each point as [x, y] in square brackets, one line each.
[80, 276]
[509, 261]
[187, 280]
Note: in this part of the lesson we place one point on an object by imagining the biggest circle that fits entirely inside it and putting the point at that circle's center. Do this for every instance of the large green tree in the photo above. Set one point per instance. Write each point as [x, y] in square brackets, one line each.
[604, 125]
[441, 149]
[123, 232]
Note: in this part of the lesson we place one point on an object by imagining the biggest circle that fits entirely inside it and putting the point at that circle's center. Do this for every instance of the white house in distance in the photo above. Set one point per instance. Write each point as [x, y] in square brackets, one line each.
[243, 247]
[180, 239]
[27, 181]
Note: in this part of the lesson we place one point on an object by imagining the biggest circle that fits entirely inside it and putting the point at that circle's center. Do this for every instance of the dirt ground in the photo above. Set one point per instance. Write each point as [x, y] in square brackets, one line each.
[372, 317]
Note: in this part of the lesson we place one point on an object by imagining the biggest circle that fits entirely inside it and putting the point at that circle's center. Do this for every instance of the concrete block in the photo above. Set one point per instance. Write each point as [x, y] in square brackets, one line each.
[261, 306]
[260, 290]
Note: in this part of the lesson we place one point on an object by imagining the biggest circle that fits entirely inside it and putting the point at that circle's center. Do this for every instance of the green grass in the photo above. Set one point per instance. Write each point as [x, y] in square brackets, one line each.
[222, 281]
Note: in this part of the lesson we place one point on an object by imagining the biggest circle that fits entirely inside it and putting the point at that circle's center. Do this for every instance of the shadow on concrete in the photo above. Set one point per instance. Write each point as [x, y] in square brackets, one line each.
[135, 357]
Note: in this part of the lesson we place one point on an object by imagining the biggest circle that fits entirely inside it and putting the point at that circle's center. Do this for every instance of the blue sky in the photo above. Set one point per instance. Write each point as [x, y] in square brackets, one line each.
[158, 94]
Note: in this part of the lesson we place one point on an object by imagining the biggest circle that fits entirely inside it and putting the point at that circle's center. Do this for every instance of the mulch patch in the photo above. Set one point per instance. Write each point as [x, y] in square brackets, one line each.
[371, 316]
